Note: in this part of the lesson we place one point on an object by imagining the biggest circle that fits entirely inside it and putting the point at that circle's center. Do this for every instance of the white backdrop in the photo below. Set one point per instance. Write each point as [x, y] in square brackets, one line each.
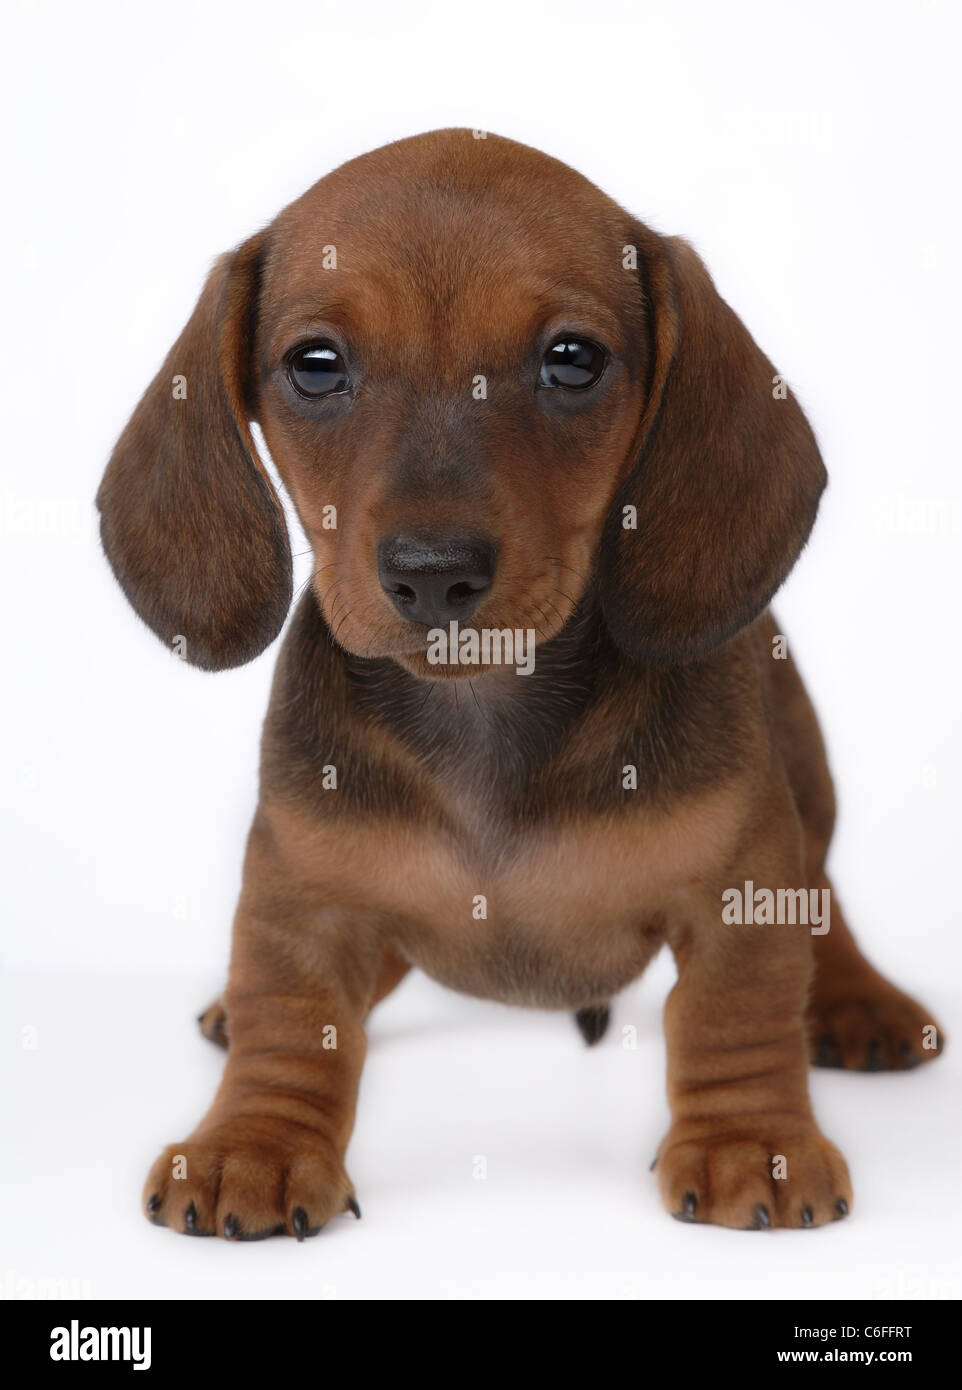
[810, 151]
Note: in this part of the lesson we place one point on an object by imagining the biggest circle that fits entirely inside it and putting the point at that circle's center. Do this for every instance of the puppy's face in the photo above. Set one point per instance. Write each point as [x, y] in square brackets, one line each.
[451, 364]
[485, 387]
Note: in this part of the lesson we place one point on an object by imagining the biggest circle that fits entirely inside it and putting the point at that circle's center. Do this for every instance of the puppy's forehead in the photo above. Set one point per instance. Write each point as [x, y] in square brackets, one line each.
[448, 235]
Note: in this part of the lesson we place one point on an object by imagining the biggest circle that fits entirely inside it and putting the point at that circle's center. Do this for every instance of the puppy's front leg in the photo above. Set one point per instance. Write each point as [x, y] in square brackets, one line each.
[743, 1149]
[268, 1157]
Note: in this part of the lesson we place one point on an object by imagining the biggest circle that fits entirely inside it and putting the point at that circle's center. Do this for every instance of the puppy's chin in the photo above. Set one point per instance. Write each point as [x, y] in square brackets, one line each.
[417, 664]
[413, 660]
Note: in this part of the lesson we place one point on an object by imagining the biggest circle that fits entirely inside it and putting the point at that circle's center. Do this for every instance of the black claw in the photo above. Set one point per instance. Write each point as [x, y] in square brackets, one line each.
[808, 1216]
[827, 1052]
[841, 1208]
[353, 1206]
[154, 1204]
[910, 1058]
[762, 1218]
[593, 1023]
[215, 1032]
[299, 1222]
[231, 1227]
[688, 1206]
[653, 1164]
[190, 1218]
[874, 1060]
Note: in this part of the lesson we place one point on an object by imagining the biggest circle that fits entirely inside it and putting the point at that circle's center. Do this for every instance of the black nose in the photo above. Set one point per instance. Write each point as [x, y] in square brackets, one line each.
[435, 581]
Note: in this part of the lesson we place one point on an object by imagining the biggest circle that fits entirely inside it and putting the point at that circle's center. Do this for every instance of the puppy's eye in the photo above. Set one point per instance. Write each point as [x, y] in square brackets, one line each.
[318, 370]
[573, 363]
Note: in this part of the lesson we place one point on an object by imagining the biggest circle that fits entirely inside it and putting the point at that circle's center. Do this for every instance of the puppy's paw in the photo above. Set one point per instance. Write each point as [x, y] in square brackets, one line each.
[247, 1179]
[753, 1179]
[875, 1029]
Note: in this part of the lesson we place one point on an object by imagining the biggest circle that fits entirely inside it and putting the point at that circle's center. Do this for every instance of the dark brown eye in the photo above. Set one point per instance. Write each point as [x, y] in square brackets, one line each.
[573, 363]
[318, 370]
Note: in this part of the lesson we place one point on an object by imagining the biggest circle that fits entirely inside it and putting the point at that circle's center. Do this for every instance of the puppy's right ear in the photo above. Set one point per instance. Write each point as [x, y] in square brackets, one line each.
[190, 521]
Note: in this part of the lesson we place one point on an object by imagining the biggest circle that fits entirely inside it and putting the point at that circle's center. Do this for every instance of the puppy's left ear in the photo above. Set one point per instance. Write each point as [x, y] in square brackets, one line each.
[724, 493]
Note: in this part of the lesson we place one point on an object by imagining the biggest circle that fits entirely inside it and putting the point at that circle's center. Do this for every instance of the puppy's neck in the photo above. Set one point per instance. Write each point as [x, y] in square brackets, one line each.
[496, 726]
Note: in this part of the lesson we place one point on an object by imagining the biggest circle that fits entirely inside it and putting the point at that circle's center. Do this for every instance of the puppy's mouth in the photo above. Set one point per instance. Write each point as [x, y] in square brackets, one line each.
[488, 644]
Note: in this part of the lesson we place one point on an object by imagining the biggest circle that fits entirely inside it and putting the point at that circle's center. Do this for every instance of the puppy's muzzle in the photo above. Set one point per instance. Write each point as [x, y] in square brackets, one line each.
[435, 581]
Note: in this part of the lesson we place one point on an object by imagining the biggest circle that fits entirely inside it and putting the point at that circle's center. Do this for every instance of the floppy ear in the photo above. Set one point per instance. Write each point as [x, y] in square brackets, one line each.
[189, 519]
[727, 482]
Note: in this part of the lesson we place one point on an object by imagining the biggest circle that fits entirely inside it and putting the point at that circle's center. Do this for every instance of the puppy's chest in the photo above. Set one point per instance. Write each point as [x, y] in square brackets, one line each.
[555, 913]
[537, 859]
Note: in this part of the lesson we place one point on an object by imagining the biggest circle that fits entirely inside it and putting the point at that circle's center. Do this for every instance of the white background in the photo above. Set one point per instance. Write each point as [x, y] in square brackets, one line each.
[811, 153]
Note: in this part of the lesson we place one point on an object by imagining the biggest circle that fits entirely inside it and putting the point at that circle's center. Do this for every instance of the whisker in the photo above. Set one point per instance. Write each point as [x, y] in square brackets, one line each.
[432, 691]
[529, 619]
[555, 560]
[546, 619]
[310, 578]
[555, 607]
[329, 590]
[478, 703]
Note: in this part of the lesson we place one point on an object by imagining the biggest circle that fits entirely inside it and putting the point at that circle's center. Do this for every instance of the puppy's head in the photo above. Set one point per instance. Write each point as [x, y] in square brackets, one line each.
[485, 388]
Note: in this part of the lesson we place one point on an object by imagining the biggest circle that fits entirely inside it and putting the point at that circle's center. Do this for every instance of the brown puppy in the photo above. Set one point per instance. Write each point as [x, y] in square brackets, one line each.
[495, 397]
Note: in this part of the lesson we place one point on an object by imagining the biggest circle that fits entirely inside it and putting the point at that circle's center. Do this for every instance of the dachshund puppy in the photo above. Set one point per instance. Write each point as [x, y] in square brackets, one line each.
[520, 428]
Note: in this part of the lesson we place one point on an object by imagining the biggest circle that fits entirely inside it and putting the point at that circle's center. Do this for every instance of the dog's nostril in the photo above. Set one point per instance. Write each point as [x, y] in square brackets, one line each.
[460, 593]
[433, 581]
